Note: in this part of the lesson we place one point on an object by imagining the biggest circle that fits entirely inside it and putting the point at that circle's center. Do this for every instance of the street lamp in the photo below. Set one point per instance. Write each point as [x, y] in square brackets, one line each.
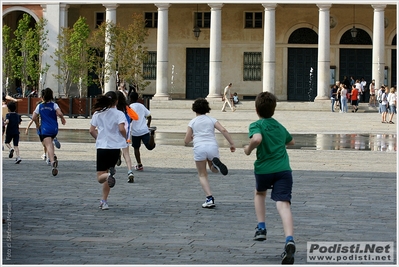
[196, 29]
[353, 30]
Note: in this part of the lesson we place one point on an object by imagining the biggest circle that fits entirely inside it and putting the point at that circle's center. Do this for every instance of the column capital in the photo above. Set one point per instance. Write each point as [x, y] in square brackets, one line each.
[269, 6]
[161, 6]
[216, 5]
[64, 6]
[324, 6]
[110, 6]
[379, 7]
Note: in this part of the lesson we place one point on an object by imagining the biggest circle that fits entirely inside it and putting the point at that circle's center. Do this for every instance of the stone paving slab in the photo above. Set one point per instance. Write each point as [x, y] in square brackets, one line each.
[341, 195]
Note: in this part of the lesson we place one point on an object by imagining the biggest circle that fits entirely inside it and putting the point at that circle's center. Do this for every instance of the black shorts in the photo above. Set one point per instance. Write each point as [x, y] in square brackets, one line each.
[279, 182]
[106, 158]
[13, 137]
[42, 136]
[136, 141]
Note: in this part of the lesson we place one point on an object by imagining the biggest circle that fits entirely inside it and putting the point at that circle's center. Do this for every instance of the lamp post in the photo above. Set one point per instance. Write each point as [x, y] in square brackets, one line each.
[196, 29]
[353, 30]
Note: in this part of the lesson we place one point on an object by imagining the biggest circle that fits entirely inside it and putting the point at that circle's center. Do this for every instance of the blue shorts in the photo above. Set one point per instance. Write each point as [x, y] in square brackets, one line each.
[392, 109]
[136, 141]
[279, 182]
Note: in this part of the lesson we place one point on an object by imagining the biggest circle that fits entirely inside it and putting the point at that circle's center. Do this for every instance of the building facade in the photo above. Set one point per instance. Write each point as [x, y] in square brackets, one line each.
[295, 50]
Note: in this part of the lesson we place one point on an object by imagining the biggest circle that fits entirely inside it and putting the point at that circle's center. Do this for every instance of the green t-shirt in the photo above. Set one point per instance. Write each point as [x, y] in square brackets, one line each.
[271, 154]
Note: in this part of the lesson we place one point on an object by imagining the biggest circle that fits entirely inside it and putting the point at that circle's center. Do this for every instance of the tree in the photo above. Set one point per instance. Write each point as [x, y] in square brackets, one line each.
[72, 56]
[28, 46]
[7, 56]
[130, 52]
[126, 51]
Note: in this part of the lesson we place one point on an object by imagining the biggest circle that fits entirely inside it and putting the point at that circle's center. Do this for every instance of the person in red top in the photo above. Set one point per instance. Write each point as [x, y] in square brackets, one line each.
[354, 94]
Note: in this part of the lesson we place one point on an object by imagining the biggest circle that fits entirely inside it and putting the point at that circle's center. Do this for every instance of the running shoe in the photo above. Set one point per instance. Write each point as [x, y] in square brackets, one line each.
[56, 143]
[260, 234]
[219, 166]
[130, 176]
[18, 160]
[11, 153]
[139, 167]
[287, 257]
[209, 203]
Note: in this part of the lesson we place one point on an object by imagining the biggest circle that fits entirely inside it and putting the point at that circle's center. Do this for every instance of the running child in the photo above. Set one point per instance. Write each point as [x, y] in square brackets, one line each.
[201, 130]
[272, 170]
[12, 122]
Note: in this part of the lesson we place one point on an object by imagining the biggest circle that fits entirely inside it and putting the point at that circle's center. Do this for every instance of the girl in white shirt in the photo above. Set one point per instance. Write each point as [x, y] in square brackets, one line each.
[107, 126]
[201, 130]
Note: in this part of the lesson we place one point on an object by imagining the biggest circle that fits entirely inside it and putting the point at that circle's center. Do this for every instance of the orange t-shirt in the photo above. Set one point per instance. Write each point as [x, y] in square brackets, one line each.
[354, 93]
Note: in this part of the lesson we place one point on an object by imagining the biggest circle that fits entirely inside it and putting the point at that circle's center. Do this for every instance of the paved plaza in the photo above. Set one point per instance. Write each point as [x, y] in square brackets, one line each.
[338, 196]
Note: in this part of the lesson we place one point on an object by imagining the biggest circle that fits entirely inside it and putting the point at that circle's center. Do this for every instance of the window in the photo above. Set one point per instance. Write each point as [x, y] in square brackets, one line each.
[253, 20]
[150, 66]
[202, 19]
[151, 19]
[100, 18]
[252, 66]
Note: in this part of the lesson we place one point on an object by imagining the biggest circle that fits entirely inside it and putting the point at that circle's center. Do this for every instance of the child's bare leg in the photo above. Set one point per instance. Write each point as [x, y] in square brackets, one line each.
[16, 148]
[102, 178]
[203, 177]
[284, 209]
[260, 206]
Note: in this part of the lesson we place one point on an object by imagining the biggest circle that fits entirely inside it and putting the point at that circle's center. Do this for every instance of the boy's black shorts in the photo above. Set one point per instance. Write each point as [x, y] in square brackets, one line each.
[279, 182]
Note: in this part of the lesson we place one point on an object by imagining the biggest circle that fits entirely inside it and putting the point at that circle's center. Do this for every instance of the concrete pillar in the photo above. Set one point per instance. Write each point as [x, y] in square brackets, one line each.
[323, 58]
[215, 51]
[64, 15]
[269, 48]
[51, 12]
[110, 78]
[162, 53]
[378, 45]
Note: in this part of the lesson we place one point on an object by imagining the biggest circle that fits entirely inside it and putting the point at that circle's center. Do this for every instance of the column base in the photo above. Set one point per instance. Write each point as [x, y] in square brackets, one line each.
[161, 97]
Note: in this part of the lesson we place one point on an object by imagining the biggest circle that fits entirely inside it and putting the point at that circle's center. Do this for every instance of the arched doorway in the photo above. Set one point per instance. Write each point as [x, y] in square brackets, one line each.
[356, 62]
[393, 64]
[302, 66]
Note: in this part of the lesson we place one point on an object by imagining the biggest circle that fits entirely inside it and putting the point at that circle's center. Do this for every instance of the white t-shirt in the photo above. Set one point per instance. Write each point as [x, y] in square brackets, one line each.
[107, 123]
[391, 99]
[203, 130]
[139, 127]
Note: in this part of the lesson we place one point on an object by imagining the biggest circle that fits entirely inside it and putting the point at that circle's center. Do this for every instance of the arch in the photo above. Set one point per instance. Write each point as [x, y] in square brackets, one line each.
[296, 27]
[303, 36]
[392, 38]
[346, 30]
[23, 9]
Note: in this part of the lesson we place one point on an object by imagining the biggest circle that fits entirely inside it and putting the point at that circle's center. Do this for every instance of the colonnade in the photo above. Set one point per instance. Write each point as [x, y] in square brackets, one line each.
[215, 69]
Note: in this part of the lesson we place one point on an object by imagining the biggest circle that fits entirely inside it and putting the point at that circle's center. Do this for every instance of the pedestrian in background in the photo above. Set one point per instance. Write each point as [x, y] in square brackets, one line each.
[227, 96]
[201, 131]
[392, 104]
[107, 127]
[272, 170]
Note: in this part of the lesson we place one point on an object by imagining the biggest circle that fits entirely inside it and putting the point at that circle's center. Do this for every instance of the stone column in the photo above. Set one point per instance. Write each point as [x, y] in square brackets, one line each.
[269, 48]
[378, 45]
[64, 15]
[215, 51]
[323, 58]
[162, 53]
[110, 16]
[51, 12]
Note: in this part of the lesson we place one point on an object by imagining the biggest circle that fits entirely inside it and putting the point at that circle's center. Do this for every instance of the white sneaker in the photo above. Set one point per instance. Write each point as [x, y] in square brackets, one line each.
[103, 205]
[48, 161]
[209, 203]
[130, 177]
[18, 160]
[44, 157]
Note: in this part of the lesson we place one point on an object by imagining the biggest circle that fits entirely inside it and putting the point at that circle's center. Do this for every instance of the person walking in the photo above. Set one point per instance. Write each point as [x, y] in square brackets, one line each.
[384, 104]
[201, 131]
[122, 106]
[392, 104]
[107, 127]
[12, 122]
[141, 130]
[354, 98]
[344, 98]
[272, 170]
[47, 128]
[333, 95]
[226, 98]
[372, 94]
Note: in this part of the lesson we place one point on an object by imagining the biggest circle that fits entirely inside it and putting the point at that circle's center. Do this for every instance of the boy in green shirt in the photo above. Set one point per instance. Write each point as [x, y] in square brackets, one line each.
[272, 170]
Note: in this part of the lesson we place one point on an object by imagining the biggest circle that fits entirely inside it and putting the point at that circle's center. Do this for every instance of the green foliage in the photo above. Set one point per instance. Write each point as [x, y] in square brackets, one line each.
[72, 56]
[7, 54]
[28, 47]
[126, 51]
